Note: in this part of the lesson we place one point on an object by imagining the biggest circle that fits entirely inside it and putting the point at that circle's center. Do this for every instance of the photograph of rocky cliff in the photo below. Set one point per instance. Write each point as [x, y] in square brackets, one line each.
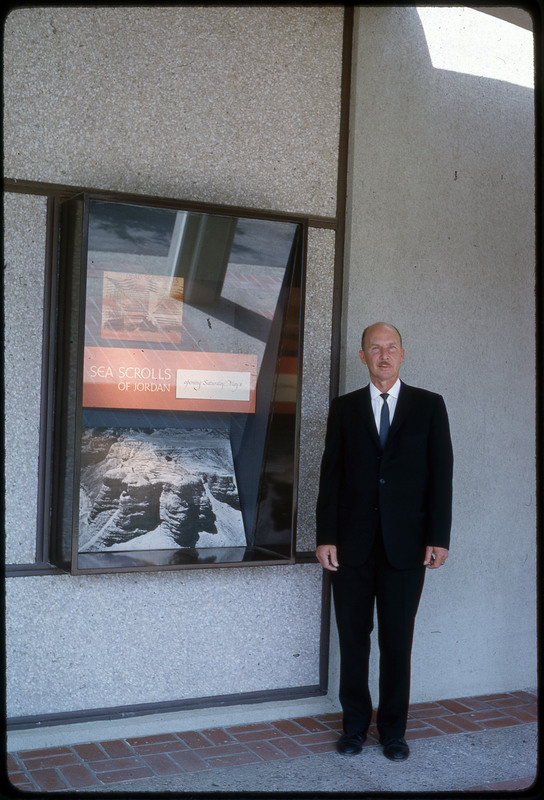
[157, 489]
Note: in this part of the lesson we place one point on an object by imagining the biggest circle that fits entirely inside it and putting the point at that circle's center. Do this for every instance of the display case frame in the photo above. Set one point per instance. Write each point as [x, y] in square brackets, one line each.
[139, 467]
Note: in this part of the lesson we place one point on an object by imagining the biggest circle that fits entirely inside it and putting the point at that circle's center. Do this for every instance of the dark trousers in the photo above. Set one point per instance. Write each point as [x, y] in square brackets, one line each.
[396, 593]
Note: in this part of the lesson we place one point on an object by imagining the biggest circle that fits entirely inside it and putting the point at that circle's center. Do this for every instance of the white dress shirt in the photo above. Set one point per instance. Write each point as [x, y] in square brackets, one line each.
[377, 401]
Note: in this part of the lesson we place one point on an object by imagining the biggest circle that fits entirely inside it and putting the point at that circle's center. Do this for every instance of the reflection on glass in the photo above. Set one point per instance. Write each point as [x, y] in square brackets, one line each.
[190, 365]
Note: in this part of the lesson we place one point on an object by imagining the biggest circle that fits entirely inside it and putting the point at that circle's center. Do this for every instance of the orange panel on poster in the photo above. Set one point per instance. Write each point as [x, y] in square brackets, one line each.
[173, 380]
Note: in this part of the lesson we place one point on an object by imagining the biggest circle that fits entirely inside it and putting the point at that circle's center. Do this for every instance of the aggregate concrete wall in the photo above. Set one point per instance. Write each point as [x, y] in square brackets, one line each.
[441, 243]
[234, 105]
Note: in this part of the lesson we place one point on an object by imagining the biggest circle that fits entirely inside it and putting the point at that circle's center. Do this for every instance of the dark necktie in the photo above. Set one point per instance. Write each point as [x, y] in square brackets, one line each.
[384, 420]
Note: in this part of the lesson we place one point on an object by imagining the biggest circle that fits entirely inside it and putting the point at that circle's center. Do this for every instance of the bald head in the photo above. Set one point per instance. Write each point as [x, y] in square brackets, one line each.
[378, 325]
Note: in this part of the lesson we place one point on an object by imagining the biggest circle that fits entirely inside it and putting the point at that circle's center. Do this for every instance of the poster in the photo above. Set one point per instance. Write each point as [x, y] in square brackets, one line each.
[157, 489]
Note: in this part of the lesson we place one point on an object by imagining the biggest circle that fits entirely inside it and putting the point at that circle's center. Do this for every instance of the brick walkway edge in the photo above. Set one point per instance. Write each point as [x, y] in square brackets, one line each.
[82, 766]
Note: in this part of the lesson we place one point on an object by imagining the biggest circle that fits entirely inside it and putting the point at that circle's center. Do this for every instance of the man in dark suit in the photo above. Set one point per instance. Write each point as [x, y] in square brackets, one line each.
[383, 517]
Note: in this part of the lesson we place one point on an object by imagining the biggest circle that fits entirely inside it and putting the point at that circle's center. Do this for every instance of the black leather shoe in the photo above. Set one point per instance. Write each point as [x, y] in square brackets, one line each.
[395, 749]
[350, 744]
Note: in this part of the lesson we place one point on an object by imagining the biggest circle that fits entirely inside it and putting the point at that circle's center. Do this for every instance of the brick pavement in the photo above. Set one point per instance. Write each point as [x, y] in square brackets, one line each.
[82, 766]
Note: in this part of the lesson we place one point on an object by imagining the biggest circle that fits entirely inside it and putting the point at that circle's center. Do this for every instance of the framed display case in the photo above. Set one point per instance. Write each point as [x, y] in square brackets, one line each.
[177, 360]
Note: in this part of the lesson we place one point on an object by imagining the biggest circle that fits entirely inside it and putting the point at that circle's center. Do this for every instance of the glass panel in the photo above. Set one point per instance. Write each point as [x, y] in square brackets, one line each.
[186, 448]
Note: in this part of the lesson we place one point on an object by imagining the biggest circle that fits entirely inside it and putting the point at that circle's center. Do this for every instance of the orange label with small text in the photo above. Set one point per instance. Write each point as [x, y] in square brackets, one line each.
[118, 377]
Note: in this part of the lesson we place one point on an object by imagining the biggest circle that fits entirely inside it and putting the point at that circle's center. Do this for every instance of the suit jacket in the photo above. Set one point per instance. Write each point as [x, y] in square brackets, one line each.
[406, 488]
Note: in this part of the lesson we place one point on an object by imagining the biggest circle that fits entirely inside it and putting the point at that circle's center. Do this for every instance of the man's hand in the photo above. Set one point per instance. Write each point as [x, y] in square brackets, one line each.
[435, 557]
[327, 556]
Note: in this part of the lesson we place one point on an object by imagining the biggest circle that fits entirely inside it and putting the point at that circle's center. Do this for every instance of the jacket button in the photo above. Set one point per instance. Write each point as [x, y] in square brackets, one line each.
[382, 480]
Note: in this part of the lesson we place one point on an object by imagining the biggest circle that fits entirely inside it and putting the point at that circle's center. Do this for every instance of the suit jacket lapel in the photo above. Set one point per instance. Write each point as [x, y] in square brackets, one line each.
[367, 415]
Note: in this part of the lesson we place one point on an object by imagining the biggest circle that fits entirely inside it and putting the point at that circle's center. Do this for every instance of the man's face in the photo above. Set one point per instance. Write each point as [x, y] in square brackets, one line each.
[383, 355]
